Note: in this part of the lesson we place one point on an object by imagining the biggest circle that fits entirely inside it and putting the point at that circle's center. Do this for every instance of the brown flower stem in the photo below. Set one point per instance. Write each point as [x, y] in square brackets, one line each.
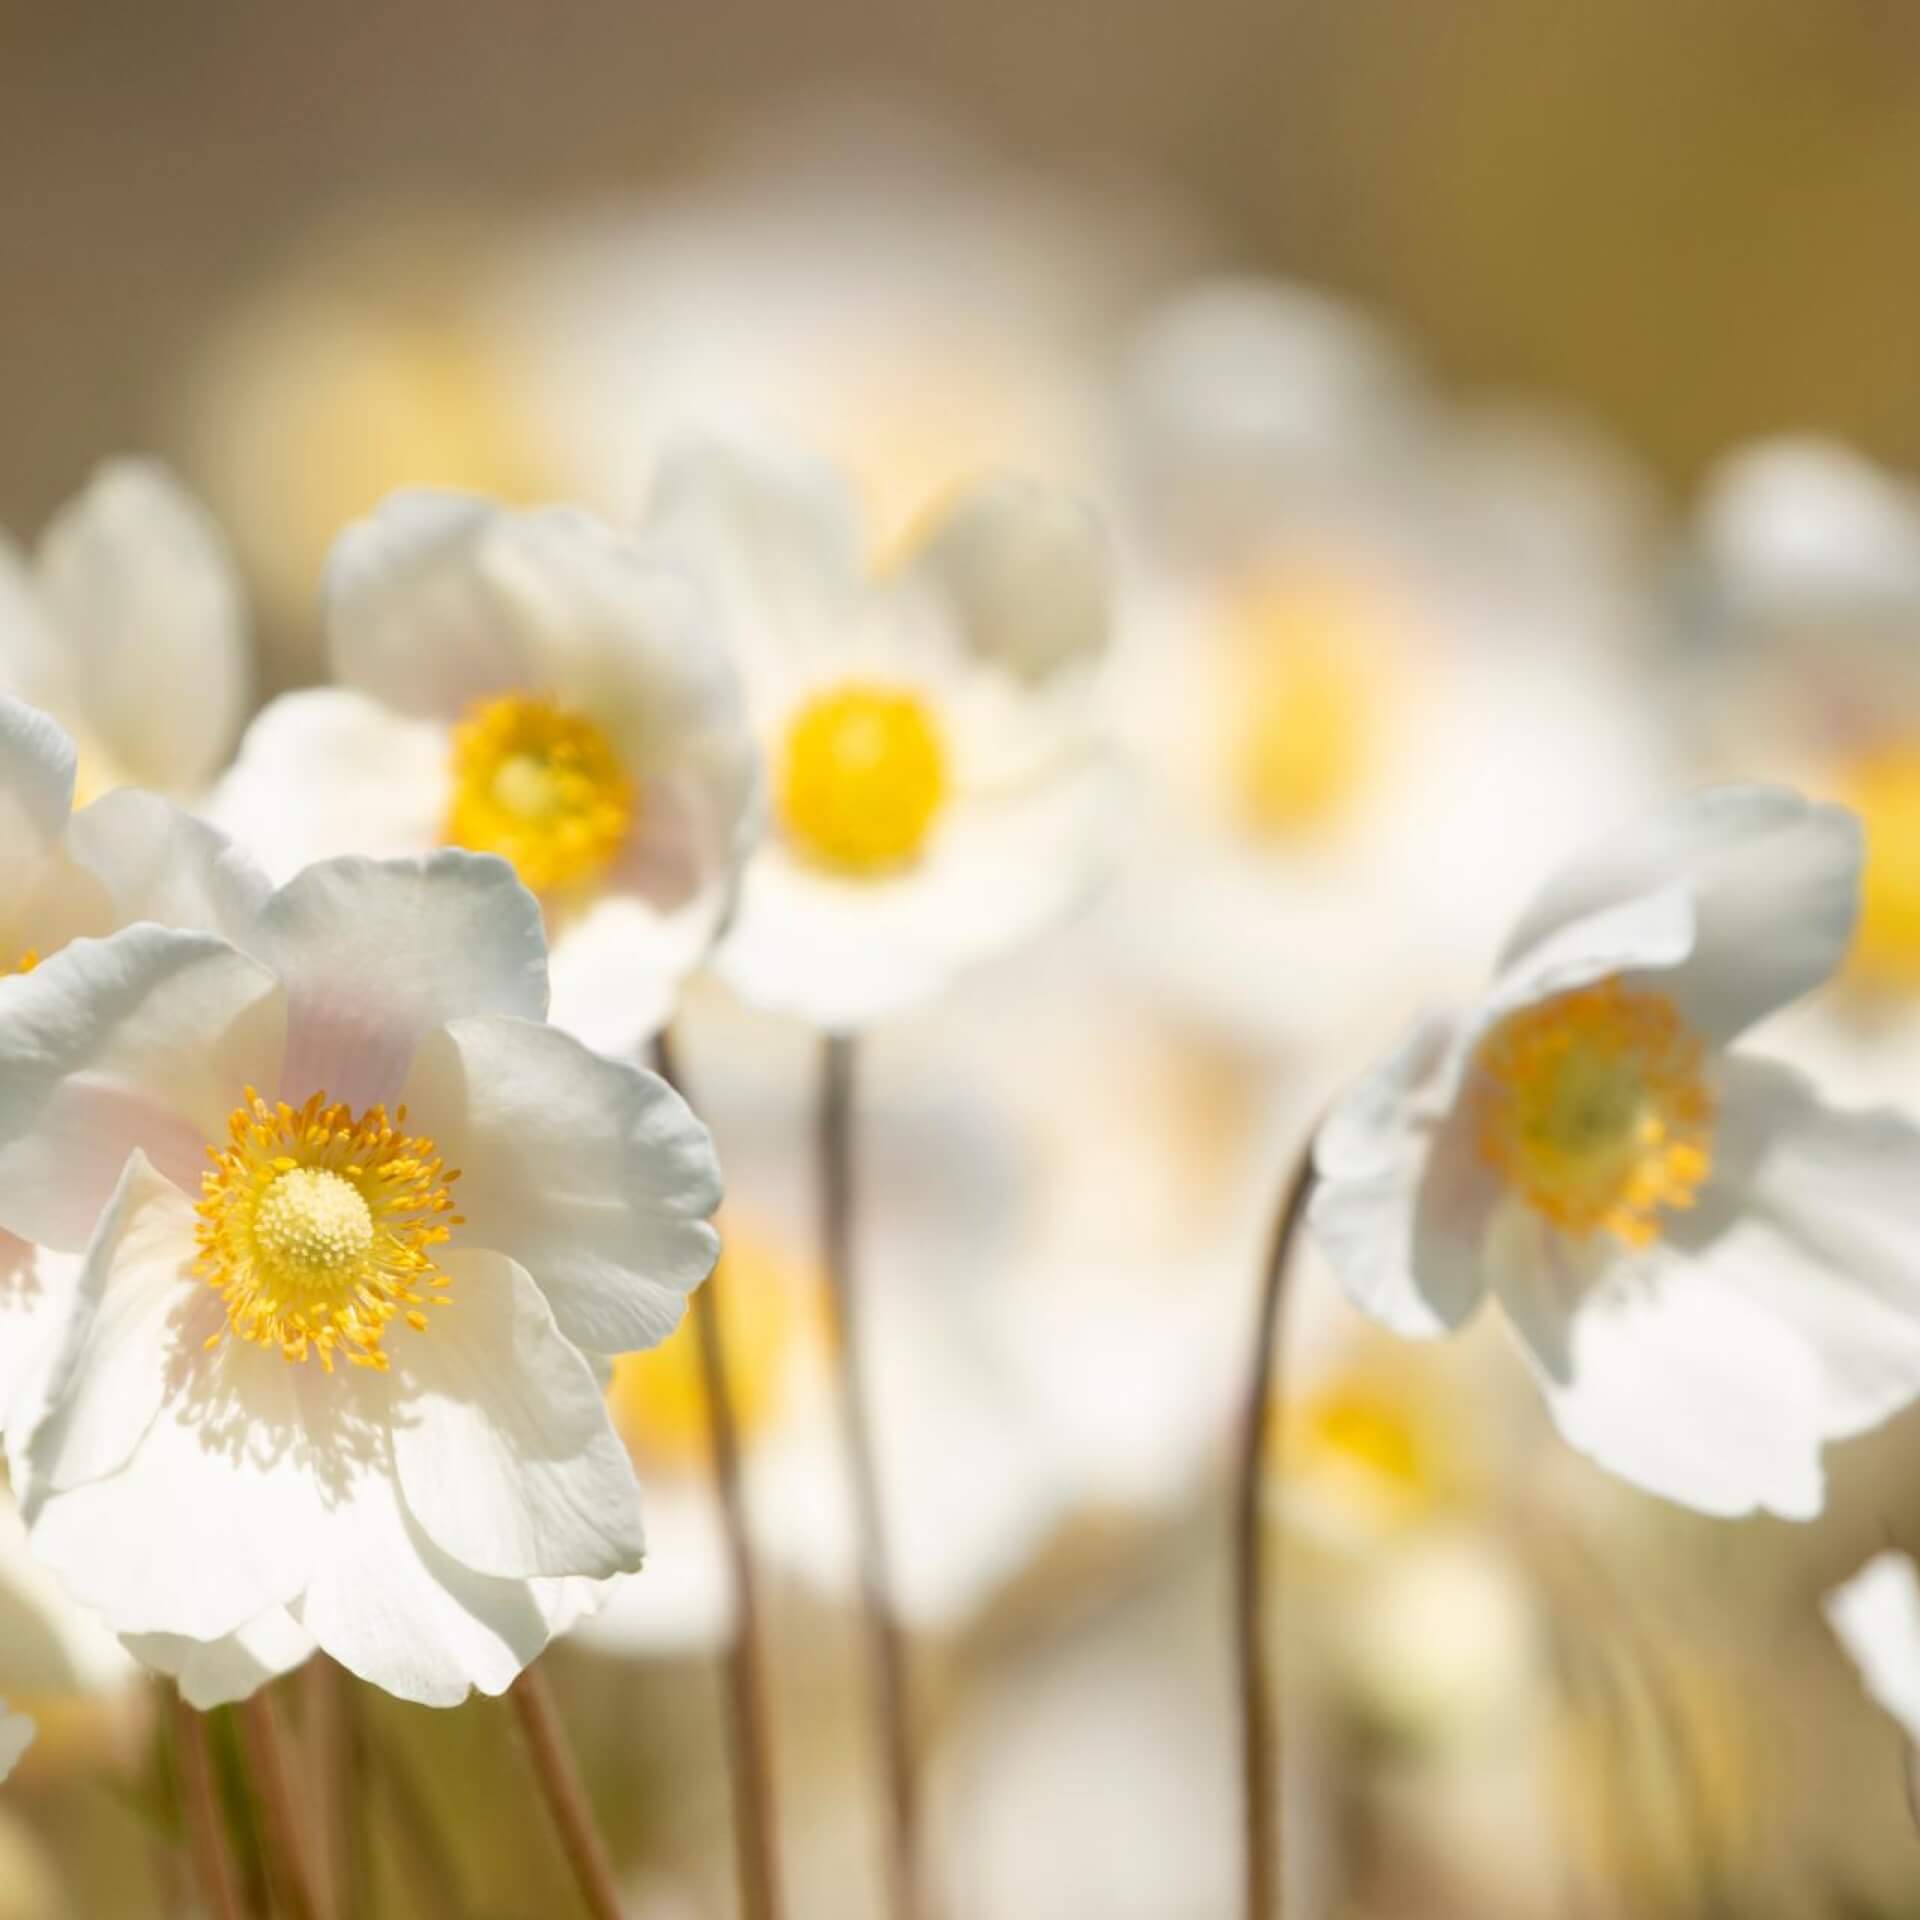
[886, 1652]
[566, 1798]
[1260, 1719]
[208, 1842]
[283, 1833]
[755, 1821]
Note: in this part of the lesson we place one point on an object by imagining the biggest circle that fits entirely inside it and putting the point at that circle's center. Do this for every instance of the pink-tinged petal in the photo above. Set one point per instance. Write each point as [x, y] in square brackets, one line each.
[591, 1175]
[505, 1453]
[145, 1041]
[378, 954]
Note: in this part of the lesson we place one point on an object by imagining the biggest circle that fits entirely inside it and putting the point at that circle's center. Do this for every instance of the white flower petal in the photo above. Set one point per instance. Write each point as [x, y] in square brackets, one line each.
[212, 1673]
[501, 1440]
[139, 581]
[38, 1290]
[617, 973]
[330, 771]
[682, 1600]
[1023, 571]
[1876, 1617]
[592, 1175]
[16, 1736]
[393, 1609]
[1400, 1202]
[410, 617]
[216, 1516]
[1774, 884]
[36, 788]
[377, 954]
[147, 1041]
[159, 863]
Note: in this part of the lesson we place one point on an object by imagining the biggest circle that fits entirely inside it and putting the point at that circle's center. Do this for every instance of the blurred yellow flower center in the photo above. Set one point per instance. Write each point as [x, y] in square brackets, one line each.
[1884, 789]
[863, 777]
[659, 1398]
[1302, 727]
[27, 961]
[541, 787]
[1594, 1107]
[315, 1228]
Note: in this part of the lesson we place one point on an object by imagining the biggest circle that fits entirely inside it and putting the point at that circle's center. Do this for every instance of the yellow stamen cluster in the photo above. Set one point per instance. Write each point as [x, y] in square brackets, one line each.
[543, 788]
[316, 1228]
[27, 961]
[863, 777]
[1884, 789]
[1303, 718]
[1594, 1107]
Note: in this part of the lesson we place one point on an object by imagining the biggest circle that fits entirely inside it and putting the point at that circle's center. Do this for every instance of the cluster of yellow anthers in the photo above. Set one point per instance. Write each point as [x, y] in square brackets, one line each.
[864, 774]
[316, 1227]
[541, 786]
[1594, 1107]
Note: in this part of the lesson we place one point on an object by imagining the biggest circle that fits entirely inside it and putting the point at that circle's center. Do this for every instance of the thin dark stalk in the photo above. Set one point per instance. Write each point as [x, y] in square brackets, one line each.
[1260, 1718]
[566, 1798]
[282, 1829]
[755, 1821]
[208, 1842]
[886, 1651]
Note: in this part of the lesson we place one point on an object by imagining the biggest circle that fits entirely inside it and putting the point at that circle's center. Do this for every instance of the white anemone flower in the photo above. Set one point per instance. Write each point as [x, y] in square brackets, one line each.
[1708, 1268]
[526, 683]
[16, 1735]
[130, 856]
[301, 1400]
[1876, 1617]
[127, 625]
[941, 788]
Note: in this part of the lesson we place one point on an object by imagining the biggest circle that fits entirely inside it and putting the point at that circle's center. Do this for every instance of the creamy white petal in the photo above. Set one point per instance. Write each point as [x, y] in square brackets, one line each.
[331, 771]
[38, 1290]
[159, 863]
[1400, 1203]
[502, 1443]
[592, 1175]
[147, 1041]
[393, 1609]
[1773, 880]
[36, 788]
[211, 1673]
[215, 1517]
[410, 617]
[377, 954]
[1023, 571]
[682, 1600]
[143, 590]
[1876, 1617]
[16, 1736]
[617, 972]
[32, 661]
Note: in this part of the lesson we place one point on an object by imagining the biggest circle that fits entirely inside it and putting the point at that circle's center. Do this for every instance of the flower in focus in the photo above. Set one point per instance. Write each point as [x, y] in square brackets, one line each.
[129, 856]
[528, 684]
[305, 1397]
[1706, 1266]
[940, 788]
[127, 627]
[1370, 692]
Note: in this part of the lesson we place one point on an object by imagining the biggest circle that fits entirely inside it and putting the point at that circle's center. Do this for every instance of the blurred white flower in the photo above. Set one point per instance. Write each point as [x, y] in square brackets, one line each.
[1876, 1617]
[1372, 654]
[862, 284]
[127, 626]
[436, 1493]
[1707, 1267]
[529, 684]
[941, 788]
[16, 1735]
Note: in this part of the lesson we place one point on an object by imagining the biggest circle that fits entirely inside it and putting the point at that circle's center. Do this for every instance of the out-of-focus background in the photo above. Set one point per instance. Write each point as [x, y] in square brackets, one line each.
[1404, 347]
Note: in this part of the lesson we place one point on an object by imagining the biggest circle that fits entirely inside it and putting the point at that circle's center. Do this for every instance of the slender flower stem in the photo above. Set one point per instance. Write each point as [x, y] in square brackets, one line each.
[886, 1652]
[566, 1798]
[207, 1838]
[755, 1824]
[328, 1739]
[282, 1829]
[1260, 1720]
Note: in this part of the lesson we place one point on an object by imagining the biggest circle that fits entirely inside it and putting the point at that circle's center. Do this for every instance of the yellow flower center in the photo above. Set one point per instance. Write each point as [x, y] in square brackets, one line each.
[1305, 704]
[1594, 1108]
[541, 787]
[863, 778]
[316, 1228]
[27, 961]
[659, 1398]
[1884, 789]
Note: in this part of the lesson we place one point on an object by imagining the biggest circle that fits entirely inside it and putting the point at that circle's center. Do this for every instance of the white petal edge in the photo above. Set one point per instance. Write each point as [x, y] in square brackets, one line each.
[1876, 1617]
